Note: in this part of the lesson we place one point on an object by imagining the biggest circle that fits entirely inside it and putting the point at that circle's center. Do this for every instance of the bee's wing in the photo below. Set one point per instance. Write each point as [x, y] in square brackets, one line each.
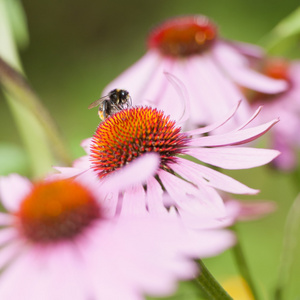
[98, 102]
[129, 101]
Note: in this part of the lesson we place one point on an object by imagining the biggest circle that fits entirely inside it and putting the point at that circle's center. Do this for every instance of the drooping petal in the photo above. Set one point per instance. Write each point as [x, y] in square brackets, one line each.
[183, 95]
[233, 138]
[238, 68]
[154, 196]
[214, 178]
[216, 125]
[202, 74]
[188, 197]
[134, 201]
[247, 49]
[257, 111]
[234, 158]
[136, 78]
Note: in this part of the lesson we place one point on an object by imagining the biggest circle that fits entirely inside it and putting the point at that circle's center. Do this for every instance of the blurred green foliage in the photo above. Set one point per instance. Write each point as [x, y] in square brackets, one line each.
[77, 47]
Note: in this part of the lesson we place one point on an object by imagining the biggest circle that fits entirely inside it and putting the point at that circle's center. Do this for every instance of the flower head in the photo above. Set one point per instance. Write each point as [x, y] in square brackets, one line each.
[58, 242]
[212, 70]
[285, 136]
[56, 211]
[129, 135]
[181, 37]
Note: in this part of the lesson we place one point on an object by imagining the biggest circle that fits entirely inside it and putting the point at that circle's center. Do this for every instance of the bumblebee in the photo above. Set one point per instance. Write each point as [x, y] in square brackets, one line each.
[112, 103]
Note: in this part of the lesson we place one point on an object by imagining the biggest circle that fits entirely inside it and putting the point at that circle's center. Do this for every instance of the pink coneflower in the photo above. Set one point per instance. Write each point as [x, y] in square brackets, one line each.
[285, 137]
[134, 132]
[58, 243]
[211, 69]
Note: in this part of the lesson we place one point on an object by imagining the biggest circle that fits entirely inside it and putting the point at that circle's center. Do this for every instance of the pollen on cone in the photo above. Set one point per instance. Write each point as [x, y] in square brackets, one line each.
[131, 133]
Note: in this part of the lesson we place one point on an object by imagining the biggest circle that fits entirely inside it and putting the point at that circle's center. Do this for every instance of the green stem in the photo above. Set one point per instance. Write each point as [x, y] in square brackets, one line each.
[243, 266]
[288, 253]
[209, 285]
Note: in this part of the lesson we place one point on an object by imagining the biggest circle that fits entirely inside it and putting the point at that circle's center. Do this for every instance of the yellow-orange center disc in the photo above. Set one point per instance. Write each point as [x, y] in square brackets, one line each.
[130, 133]
[57, 210]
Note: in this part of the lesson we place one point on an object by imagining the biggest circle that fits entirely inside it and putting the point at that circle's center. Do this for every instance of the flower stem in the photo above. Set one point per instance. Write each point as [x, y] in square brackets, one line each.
[209, 285]
[243, 266]
[288, 253]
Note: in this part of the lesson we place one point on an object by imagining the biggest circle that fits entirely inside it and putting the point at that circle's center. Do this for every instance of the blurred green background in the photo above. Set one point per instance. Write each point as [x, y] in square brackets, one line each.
[77, 47]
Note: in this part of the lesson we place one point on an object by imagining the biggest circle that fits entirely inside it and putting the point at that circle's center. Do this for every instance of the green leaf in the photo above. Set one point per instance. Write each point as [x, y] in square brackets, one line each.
[18, 22]
[38, 131]
[285, 34]
[288, 254]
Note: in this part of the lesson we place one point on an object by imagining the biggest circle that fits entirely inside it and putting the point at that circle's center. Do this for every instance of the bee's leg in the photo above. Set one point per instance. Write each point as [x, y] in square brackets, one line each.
[101, 111]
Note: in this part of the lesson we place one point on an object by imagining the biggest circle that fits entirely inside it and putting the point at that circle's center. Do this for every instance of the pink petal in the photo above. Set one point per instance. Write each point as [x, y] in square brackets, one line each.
[247, 49]
[65, 264]
[193, 221]
[238, 68]
[154, 251]
[183, 94]
[135, 173]
[85, 144]
[22, 273]
[7, 235]
[6, 219]
[202, 74]
[134, 201]
[234, 158]
[216, 125]
[213, 242]
[82, 162]
[10, 252]
[155, 197]
[215, 178]
[13, 189]
[258, 110]
[287, 160]
[107, 199]
[233, 138]
[66, 172]
[196, 200]
[137, 77]
[193, 174]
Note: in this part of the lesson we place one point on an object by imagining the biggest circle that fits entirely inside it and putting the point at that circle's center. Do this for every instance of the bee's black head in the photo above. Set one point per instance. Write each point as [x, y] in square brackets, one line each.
[123, 94]
[118, 96]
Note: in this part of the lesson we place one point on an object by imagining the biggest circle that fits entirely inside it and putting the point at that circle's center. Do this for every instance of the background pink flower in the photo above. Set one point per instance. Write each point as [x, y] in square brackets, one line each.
[211, 69]
[285, 137]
